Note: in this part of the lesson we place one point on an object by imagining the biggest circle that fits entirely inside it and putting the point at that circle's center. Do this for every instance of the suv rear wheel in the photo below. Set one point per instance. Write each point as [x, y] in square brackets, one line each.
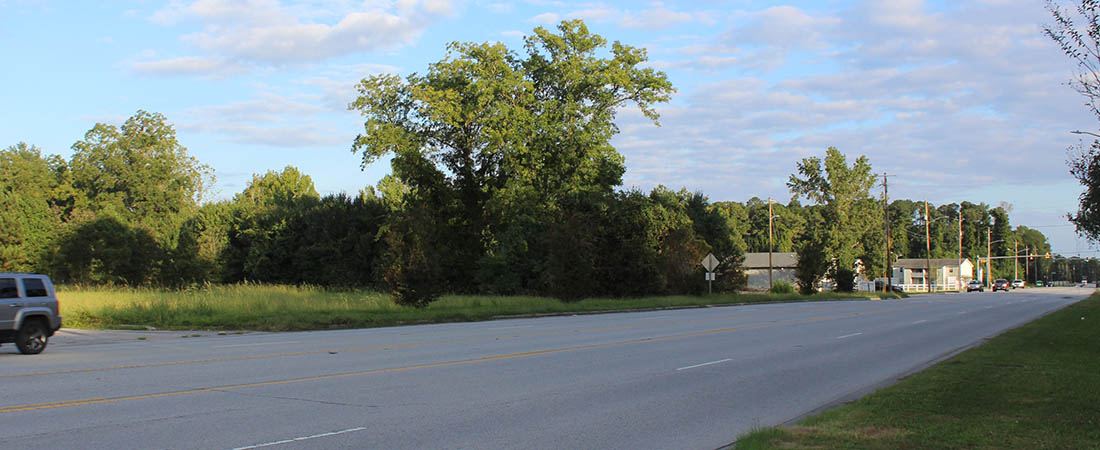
[32, 338]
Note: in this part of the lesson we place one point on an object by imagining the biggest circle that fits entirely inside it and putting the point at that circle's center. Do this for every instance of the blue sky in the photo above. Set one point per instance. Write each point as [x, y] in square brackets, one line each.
[959, 100]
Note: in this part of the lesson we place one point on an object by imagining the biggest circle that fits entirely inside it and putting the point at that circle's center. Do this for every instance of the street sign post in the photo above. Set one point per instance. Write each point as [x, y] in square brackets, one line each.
[710, 263]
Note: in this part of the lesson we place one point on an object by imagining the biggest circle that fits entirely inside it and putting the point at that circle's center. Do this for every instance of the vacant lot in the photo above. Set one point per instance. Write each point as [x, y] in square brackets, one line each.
[284, 308]
[1033, 387]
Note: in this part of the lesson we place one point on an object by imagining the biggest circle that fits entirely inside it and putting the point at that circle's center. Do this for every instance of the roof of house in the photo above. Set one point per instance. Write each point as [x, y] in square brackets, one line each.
[779, 259]
[921, 263]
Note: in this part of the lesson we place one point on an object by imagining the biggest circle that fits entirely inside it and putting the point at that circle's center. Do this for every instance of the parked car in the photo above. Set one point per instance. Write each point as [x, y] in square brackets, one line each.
[1038, 283]
[1000, 284]
[29, 312]
[975, 285]
[1017, 284]
[893, 287]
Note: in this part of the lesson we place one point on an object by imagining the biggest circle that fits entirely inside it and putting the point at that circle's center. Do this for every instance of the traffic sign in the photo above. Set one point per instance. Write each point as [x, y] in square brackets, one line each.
[710, 262]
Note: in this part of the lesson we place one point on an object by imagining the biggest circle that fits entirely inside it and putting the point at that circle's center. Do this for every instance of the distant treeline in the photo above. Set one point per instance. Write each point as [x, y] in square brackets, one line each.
[126, 210]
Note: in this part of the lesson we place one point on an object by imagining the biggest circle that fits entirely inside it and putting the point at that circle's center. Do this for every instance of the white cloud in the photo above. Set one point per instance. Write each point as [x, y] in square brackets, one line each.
[270, 119]
[782, 28]
[187, 66]
[660, 17]
[269, 32]
[957, 102]
[546, 19]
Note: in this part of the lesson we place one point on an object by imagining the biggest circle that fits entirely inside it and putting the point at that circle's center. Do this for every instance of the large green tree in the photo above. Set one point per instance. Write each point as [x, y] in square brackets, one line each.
[140, 174]
[851, 217]
[30, 212]
[489, 138]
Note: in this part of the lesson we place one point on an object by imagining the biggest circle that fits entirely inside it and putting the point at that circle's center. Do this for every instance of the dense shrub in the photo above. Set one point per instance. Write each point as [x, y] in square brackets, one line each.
[845, 280]
[781, 287]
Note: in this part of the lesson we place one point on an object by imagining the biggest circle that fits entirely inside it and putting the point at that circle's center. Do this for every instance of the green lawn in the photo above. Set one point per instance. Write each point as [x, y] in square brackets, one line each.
[1034, 387]
[281, 308]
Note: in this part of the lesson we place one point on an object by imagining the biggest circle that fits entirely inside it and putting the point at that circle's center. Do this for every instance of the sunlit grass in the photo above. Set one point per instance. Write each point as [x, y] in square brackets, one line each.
[1032, 387]
[279, 307]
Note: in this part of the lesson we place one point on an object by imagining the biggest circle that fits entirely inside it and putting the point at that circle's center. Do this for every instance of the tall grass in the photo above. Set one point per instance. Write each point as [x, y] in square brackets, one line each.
[281, 308]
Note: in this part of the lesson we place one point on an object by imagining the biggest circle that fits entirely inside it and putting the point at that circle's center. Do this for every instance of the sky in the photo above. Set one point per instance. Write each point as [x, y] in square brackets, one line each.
[956, 101]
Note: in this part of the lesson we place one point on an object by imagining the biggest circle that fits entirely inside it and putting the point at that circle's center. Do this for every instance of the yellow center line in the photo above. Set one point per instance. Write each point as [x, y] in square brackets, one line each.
[96, 401]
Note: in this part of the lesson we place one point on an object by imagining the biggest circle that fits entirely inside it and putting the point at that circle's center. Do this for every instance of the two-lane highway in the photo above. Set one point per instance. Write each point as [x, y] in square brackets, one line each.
[692, 378]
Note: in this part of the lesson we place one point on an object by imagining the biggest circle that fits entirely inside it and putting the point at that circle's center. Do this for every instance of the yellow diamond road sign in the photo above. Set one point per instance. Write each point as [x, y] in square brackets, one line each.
[710, 262]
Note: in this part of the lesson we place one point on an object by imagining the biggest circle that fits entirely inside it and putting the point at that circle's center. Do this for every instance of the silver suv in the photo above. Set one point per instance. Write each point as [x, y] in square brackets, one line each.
[29, 312]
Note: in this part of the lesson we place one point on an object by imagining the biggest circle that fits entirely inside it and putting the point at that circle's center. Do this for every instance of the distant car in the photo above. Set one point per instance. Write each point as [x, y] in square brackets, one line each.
[29, 313]
[975, 285]
[1017, 284]
[1000, 284]
[1038, 283]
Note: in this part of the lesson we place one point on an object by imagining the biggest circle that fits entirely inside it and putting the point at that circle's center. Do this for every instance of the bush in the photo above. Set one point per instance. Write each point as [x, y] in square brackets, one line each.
[845, 280]
[781, 287]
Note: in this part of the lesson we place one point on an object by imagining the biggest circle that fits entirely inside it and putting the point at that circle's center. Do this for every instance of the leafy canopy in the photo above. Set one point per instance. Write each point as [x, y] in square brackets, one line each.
[851, 218]
[491, 123]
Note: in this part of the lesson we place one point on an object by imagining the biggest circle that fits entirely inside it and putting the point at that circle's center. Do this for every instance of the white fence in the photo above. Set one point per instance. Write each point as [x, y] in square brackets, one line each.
[951, 287]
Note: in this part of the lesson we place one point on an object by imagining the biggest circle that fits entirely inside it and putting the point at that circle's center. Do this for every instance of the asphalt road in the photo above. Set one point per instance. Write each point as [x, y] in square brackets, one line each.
[680, 379]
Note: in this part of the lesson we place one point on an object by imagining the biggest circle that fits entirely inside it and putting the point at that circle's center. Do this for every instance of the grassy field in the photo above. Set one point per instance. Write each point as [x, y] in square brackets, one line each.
[1034, 387]
[283, 308]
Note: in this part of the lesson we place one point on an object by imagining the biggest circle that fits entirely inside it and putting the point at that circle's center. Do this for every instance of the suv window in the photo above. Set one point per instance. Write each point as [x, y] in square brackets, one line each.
[8, 289]
[34, 287]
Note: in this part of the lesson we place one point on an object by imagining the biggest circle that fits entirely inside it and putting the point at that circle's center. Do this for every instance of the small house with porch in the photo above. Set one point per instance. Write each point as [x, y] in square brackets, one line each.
[948, 274]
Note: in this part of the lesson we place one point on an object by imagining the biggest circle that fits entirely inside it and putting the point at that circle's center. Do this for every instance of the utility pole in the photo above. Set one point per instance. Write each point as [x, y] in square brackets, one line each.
[886, 214]
[1027, 265]
[928, 249]
[770, 244]
[1016, 260]
[988, 254]
[958, 276]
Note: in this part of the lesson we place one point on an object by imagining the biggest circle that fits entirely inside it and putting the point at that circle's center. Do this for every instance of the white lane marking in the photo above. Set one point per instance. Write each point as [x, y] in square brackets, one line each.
[704, 364]
[988, 307]
[255, 344]
[303, 438]
[848, 335]
[919, 321]
[961, 313]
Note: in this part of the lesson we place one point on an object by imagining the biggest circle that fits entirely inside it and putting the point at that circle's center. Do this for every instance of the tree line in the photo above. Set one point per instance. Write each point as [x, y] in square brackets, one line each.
[503, 182]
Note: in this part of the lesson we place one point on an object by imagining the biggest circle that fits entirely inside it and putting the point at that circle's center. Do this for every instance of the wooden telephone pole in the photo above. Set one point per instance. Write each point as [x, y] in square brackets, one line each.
[886, 214]
[771, 282]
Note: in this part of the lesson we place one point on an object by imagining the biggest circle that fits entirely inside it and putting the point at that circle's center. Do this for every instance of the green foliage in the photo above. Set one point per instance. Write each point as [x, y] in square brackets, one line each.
[251, 306]
[851, 217]
[845, 280]
[488, 136]
[106, 250]
[30, 212]
[139, 174]
[277, 189]
[781, 287]
[812, 258]
[278, 230]
[202, 245]
[26, 230]
[414, 277]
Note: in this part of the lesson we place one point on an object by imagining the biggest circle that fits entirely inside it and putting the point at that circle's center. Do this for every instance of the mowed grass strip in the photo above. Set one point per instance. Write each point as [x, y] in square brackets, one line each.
[285, 308]
[1034, 387]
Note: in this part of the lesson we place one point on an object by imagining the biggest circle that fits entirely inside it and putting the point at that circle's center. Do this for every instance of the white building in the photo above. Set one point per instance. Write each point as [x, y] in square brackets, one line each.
[947, 274]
